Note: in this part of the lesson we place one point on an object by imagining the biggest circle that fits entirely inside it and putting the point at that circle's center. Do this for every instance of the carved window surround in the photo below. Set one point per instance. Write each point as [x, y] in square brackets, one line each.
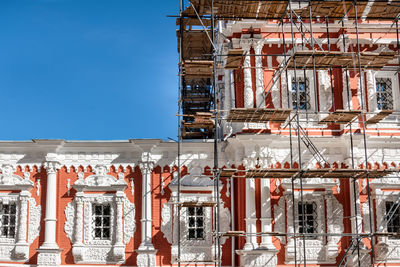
[371, 77]
[27, 213]
[79, 218]
[319, 250]
[287, 84]
[199, 250]
[386, 189]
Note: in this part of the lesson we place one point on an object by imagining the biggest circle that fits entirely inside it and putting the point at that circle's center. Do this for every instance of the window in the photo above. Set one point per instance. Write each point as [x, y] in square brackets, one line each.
[301, 87]
[102, 221]
[308, 224]
[393, 217]
[384, 96]
[8, 214]
[195, 223]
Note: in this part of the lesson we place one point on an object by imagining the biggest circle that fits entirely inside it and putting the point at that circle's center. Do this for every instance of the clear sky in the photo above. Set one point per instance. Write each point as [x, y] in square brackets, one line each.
[88, 69]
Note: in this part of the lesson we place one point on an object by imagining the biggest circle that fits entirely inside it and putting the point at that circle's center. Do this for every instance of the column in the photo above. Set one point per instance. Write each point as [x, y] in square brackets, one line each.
[49, 253]
[251, 219]
[332, 247]
[260, 93]
[119, 248]
[22, 248]
[266, 217]
[77, 248]
[248, 87]
[146, 251]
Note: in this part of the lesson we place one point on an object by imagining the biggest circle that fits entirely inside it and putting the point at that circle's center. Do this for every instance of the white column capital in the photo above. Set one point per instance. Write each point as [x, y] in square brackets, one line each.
[146, 166]
[52, 166]
[246, 44]
[258, 45]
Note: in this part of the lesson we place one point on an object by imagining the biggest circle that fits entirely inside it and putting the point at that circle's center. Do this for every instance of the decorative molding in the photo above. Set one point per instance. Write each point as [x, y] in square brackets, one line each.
[100, 181]
[17, 248]
[325, 92]
[11, 181]
[89, 249]
[280, 219]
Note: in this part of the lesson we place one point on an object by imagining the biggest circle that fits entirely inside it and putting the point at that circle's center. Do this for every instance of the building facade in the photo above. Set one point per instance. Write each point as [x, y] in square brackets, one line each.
[151, 203]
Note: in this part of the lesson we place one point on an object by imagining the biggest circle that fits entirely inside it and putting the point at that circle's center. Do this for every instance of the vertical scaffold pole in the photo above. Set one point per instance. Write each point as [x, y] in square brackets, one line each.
[216, 168]
[298, 136]
[352, 153]
[360, 73]
[181, 7]
[290, 138]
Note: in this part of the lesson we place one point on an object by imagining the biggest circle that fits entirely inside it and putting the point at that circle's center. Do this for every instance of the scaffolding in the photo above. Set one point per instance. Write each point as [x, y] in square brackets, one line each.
[200, 115]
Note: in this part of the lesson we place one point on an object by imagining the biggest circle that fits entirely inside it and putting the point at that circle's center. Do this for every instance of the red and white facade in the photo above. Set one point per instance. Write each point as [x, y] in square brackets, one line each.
[99, 203]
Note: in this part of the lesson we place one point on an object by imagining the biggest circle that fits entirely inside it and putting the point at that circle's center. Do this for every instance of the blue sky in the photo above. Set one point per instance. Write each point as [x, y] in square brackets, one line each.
[88, 69]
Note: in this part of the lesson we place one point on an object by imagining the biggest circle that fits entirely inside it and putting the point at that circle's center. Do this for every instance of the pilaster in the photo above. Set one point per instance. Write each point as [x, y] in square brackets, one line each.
[146, 252]
[49, 252]
[248, 88]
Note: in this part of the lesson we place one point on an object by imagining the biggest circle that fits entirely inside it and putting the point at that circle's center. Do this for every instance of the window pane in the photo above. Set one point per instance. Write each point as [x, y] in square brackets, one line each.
[195, 223]
[106, 232]
[199, 233]
[191, 222]
[384, 94]
[199, 211]
[192, 234]
[101, 221]
[97, 232]
[97, 221]
[11, 232]
[106, 210]
[191, 211]
[106, 221]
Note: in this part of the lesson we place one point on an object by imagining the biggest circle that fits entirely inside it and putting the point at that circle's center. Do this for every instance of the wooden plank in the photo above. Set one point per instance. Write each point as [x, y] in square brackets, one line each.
[236, 9]
[309, 173]
[198, 68]
[379, 116]
[327, 59]
[234, 59]
[341, 116]
[258, 115]
[190, 204]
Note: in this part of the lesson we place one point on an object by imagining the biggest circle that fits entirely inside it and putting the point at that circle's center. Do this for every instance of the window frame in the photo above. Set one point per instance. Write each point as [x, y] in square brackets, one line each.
[371, 77]
[383, 94]
[8, 226]
[313, 214]
[195, 216]
[102, 217]
[300, 75]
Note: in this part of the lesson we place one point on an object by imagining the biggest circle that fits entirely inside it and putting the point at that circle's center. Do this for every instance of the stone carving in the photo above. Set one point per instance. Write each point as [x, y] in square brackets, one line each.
[146, 259]
[35, 212]
[279, 215]
[316, 250]
[166, 221]
[324, 90]
[48, 259]
[372, 105]
[17, 248]
[260, 259]
[346, 93]
[52, 166]
[260, 98]
[90, 250]
[129, 220]
[9, 180]
[70, 219]
[248, 89]
[99, 181]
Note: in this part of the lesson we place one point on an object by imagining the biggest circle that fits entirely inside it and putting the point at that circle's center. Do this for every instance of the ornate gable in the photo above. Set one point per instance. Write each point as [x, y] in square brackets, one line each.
[9, 180]
[100, 181]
